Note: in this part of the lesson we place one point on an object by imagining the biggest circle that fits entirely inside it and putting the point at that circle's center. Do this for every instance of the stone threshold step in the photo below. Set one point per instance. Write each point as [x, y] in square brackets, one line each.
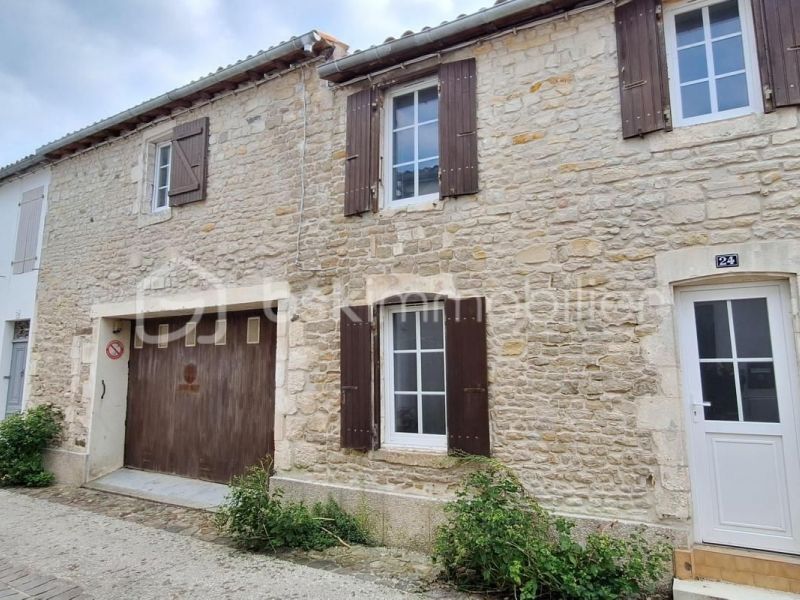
[718, 590]
[166, 489]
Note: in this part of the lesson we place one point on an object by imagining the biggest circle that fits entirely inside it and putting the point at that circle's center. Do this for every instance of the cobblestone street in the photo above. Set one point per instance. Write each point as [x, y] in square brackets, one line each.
[65, 543]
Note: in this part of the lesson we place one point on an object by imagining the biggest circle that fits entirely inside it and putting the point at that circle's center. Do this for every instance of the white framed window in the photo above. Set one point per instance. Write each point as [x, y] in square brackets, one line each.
[414, 377]
[253, 330]
[138, 337]
[190, 339]
[411, 144]
[712, 61]
[163, 166]
[221, 332]
[163, 335]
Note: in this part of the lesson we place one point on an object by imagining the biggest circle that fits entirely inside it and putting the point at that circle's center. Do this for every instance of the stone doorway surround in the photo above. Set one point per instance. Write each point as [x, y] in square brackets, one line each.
[680, 269]
[108, 379]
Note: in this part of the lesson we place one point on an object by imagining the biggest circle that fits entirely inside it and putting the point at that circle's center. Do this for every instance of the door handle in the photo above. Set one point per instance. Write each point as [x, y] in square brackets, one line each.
[698, 411]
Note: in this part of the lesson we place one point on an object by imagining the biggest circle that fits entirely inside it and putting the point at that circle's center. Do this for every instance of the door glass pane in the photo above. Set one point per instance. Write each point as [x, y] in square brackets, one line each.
[431, 329]
[692, 63]
[751, 327]
[428, 104]
[724, 18]
[403, 149]
[689, 27]
[696, 100]
[432, 372]
[405, 414]
[732, 92]
[728, 55]
[719, 389]
[759, 396]
[433, 415]
[403, 110]
[713, 330]
[429, 177]
[403, 182]
[405, 372]
[405, 330]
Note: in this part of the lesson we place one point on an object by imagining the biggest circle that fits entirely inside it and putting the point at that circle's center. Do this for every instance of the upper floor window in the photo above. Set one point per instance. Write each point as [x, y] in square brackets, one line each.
[712, 61]
[162, 174]
[412, 144]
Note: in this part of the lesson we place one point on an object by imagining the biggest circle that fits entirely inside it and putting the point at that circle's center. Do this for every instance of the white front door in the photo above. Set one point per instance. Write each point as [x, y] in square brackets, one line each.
[19, 352]
[740, 382]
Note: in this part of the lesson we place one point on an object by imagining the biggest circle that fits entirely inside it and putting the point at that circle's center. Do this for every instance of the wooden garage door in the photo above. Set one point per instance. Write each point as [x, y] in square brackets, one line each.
[202, 405]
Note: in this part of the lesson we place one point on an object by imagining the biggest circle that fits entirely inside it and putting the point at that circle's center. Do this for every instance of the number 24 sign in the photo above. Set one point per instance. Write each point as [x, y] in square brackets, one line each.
[726, 261]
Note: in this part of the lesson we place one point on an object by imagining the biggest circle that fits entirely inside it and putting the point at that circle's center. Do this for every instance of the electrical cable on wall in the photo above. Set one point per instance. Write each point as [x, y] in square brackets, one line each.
[303, 180]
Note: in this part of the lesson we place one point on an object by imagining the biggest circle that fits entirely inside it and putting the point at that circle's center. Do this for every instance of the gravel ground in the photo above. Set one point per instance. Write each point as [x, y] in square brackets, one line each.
[113, 558]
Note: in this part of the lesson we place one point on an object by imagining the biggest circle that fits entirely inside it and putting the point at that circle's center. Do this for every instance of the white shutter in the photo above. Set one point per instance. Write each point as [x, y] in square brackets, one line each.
[30, 221]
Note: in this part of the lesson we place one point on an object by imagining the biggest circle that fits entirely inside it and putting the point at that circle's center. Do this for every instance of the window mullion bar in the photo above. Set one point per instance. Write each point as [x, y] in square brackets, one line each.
[735, 357]
[418, 344]
[712, 82]
[416, 143]
[169, 174]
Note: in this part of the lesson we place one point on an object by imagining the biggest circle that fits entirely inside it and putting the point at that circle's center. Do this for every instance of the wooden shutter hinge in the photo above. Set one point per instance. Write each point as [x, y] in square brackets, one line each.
[635, 84]
[769, 99]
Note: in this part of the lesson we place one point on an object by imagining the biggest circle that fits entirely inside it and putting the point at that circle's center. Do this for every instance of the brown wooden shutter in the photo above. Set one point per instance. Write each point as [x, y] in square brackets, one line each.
[778, 35]
[362, 160]
[643, 83]
[187, 182]
[467, 377]
[356, 376]
[376, 379]
[28, 228]
[458, 129]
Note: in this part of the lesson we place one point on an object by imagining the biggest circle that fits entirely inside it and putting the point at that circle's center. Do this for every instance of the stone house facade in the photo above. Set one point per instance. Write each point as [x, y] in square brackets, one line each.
[585, 246]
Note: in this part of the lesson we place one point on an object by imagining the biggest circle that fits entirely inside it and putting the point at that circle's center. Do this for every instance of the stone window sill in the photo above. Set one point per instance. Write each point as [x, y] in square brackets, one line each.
[432, 459]
[416, 207]
[153, 218]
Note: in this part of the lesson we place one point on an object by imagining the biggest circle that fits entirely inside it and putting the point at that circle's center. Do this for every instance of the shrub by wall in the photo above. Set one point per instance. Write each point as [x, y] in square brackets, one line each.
[497, 538]
[23, 439]
[258, 519]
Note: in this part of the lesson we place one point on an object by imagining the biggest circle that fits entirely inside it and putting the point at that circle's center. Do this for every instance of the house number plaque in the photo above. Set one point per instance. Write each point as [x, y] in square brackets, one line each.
[726, 261]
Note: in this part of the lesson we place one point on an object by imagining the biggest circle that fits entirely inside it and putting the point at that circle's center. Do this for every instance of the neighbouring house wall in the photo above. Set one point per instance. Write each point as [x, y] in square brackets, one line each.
[17, 291]
[564, 241]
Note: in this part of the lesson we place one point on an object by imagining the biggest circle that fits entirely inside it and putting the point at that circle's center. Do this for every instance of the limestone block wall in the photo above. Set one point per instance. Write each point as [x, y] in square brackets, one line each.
[563, 240]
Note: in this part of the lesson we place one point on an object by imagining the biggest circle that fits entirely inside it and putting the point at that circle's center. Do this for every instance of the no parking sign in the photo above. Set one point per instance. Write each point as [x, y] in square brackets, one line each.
[115, 349]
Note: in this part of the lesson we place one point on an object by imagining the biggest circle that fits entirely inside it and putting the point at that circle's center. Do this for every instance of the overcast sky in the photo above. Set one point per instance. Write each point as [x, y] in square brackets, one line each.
[67, 63]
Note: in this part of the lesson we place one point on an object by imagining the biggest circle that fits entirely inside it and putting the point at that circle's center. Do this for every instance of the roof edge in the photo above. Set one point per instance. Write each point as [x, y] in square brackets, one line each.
[308, 45]
[504, 14]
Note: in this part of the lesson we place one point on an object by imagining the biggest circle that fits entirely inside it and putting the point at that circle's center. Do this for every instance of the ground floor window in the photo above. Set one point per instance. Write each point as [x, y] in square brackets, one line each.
[414, 376]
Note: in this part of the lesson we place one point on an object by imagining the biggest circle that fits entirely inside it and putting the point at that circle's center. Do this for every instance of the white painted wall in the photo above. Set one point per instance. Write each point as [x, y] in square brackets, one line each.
[17, 292]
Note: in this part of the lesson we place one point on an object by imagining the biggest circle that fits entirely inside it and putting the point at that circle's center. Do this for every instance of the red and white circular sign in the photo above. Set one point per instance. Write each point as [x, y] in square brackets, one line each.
[115, 349]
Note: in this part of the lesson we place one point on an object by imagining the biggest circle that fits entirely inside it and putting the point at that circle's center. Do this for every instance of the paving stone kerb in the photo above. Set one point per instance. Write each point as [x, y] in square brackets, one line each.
[17, 582]
[564, 240]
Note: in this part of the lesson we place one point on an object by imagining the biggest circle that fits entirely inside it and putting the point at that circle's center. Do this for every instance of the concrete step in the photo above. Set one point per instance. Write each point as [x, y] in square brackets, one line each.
[158, 487]
[718, 590]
